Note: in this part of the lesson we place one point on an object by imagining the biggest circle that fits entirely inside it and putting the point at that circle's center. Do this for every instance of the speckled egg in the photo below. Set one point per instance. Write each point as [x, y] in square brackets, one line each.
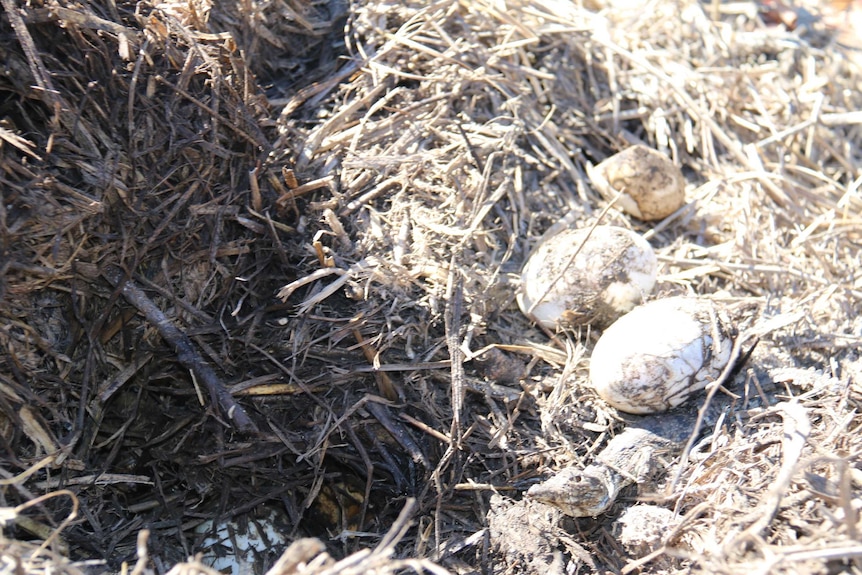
[655, 357]
[652, 186]
[586, 276]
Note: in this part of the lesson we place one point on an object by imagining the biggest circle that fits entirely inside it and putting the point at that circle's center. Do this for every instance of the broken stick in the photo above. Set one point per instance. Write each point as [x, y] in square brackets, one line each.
[184, 348]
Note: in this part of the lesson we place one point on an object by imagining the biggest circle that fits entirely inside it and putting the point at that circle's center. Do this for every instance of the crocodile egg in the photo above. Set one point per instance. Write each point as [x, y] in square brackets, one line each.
[652, 186]
[579, 277]
[660, 353]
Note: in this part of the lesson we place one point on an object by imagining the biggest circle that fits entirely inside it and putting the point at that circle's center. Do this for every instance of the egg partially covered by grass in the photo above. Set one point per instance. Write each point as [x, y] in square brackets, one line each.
[242, 545]
[586, 276]
[661, 353]
[644, 182]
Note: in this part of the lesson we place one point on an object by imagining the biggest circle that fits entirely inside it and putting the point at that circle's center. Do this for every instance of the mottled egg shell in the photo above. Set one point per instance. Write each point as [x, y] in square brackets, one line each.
[579, 277]
[652, 186]
[660, 353]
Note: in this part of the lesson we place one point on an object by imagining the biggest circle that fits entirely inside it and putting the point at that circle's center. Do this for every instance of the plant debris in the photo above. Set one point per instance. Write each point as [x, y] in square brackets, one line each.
[265, 256]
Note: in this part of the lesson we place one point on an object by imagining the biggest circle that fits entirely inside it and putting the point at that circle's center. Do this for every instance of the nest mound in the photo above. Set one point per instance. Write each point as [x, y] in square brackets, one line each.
[258, 266]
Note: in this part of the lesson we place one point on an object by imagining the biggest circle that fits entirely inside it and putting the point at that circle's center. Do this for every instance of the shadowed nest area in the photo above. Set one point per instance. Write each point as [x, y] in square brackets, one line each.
[260, 265]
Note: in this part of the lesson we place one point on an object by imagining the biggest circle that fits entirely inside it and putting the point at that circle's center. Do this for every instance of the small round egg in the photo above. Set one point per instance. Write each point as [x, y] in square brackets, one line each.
[652, 186]
[659, 354]
[586, 276]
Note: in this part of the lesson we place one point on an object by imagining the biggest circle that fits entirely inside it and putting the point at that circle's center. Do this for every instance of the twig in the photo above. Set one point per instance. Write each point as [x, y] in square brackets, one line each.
[37, 68]
[455, 299]
[184, 348]
[574, 255]
[759, 330]
[797, 428]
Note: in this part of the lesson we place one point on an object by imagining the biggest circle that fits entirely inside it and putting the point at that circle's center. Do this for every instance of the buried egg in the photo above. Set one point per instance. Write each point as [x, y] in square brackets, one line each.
[244, 544]
[661, 353]
[649, 185]
[586, 276]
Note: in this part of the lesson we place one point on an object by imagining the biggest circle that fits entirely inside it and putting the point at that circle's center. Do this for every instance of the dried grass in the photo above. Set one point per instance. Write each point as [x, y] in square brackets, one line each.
[390, 198]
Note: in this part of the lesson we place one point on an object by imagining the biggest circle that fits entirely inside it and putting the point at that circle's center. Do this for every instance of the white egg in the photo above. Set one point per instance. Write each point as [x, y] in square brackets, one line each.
[241, 547]
[652, 186]
[586, 276]
[660, 353]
